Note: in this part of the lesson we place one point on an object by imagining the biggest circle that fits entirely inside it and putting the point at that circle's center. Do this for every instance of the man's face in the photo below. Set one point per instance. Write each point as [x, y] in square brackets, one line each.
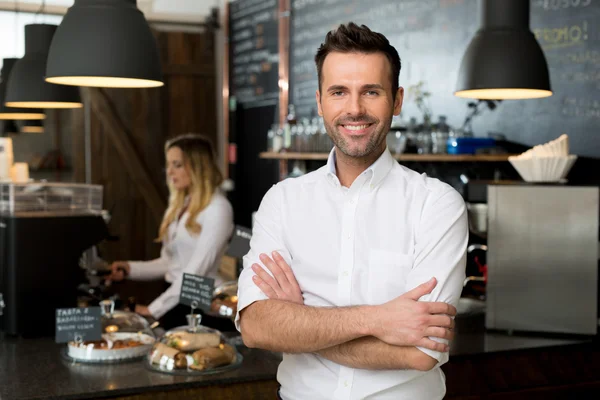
[356, 103]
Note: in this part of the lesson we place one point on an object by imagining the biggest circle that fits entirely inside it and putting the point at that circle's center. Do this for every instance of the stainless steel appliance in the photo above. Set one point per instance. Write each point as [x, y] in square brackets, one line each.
[543, 258]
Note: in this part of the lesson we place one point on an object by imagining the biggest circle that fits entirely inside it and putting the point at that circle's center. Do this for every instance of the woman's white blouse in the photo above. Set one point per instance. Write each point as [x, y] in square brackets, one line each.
[183, 252]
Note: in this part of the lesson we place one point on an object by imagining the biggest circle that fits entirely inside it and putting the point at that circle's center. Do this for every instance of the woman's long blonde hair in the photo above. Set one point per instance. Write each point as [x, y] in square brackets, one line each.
[200, 162]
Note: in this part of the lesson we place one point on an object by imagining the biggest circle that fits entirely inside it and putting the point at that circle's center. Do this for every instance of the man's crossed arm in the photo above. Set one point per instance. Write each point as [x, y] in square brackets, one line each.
[366, 337]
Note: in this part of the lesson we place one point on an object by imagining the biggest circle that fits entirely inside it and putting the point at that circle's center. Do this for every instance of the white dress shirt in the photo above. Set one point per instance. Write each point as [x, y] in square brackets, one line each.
[185, 252]
[392, 230]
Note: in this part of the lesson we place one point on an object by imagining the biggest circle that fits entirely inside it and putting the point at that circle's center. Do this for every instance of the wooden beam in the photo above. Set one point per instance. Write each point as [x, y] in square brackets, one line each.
[284, 58]
[202, 70]
[225, 93]
[120, 138]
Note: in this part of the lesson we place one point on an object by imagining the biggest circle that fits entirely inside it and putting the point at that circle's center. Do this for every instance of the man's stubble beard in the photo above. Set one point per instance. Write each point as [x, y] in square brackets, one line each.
[373, 144]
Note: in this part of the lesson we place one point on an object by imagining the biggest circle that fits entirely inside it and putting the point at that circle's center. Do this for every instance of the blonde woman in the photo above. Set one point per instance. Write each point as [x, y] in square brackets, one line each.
[194, 232]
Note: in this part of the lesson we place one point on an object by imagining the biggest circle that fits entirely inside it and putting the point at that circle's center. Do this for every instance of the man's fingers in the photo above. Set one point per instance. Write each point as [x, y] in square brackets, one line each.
[432, 345]
[442, 321]
[441, 308]
[421, 290]
[275, 270]
[268, 279]
[264, 287]
[289, 274]
[441, 333]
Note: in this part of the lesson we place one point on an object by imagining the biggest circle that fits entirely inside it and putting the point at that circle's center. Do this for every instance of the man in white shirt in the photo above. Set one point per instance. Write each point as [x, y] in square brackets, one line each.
[366, 257]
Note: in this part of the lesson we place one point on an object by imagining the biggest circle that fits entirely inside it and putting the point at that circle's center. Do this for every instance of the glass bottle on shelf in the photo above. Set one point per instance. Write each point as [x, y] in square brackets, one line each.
[290, 121]
[293, 138]
[411, 135]
[307, 134]
[270, 139]
[424, 138]
[439, 136]
[278, 139]
[314, 135]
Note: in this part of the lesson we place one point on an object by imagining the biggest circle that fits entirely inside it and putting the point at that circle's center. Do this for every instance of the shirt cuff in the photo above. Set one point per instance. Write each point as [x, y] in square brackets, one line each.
[157, 310]
[249, 296]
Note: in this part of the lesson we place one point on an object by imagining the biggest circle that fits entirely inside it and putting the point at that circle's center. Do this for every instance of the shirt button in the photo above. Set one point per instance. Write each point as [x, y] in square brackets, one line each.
[346, 383]
[345, 273]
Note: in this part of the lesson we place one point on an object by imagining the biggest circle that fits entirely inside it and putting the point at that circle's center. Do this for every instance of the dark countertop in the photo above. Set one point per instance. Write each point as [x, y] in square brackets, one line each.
[472, 338]
[35, 369]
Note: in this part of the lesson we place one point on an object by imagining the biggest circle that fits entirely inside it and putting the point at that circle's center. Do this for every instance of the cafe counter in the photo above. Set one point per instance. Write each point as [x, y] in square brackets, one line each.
[490, 365]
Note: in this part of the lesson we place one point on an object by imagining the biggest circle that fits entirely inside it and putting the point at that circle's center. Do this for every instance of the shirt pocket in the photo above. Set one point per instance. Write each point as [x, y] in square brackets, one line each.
[387, 275]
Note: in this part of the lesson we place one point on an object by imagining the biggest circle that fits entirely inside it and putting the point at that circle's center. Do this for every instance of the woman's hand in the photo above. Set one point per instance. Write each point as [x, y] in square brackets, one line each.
[119, 270]
[282, 285]
[142, 310]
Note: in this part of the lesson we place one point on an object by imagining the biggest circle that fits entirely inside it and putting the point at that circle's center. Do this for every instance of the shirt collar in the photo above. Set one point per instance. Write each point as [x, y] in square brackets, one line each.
[378, 170]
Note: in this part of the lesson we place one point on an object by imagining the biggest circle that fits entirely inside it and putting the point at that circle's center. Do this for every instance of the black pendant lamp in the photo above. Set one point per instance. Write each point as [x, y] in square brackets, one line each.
[9, 127]
[504, 60]
[33, 126]
[9, 113]
[26, 86]
[104, 43]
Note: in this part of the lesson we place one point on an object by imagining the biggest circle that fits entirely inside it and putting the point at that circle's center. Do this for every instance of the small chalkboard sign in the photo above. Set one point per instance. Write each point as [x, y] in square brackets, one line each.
[240, 243]
[197, 291]
[78, 324]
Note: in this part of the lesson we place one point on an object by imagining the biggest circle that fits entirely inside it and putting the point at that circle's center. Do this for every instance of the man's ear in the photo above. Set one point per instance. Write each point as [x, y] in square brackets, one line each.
[398, 101]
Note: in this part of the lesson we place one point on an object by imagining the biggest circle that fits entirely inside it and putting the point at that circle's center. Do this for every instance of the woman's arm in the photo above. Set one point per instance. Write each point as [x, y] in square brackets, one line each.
[217, 226]
[150, 270]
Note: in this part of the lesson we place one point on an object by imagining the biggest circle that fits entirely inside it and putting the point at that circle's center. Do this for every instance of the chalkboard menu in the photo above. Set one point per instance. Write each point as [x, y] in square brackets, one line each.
[78, 324]
[431, 37]
[197, 291]
[254, 52]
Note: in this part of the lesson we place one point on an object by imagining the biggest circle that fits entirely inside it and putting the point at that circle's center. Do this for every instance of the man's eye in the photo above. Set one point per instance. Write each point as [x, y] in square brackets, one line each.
[372, 93]
[338, 93]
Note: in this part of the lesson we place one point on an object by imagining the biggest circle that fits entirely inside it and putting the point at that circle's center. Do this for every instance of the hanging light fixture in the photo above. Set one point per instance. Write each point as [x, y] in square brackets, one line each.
[32, 126]
[104, 43]
[504, 60]
[9, 127]
[8, 113]
[26, 87]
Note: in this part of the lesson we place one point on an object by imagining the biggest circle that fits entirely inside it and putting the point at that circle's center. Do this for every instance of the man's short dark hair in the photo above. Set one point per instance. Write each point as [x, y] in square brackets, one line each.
[351, 38]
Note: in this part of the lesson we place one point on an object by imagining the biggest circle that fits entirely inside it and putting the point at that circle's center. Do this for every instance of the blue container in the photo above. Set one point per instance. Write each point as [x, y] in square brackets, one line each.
[469, 145]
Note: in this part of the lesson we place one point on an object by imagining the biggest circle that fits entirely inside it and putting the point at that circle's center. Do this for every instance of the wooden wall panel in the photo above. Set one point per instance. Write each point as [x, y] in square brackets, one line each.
[141, 120]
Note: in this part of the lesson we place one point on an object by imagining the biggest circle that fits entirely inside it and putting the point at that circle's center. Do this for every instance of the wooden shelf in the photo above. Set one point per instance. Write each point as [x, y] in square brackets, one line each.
[399, 157]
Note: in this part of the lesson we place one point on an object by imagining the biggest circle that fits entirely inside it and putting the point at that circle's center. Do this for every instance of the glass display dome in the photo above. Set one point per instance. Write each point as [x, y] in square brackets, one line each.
[224, 303]
[193, 350]
[125, 336]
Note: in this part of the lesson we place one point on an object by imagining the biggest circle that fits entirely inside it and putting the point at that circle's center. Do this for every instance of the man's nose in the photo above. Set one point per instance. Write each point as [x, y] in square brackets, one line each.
[355, 105]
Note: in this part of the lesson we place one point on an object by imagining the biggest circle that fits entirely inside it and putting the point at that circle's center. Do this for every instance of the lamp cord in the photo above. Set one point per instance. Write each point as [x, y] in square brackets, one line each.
[17, 30]
[42, 8]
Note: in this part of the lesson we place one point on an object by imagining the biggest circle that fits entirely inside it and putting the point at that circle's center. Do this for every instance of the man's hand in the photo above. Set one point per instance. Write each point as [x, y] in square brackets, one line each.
[405, 321]
[282, 285]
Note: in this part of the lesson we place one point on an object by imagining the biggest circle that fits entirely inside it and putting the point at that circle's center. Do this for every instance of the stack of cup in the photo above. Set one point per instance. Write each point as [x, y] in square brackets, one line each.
[6, 158]
[19, 172]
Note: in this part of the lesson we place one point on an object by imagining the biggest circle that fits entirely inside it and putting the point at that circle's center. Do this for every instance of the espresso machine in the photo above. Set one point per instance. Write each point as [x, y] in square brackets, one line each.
[44, 230]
